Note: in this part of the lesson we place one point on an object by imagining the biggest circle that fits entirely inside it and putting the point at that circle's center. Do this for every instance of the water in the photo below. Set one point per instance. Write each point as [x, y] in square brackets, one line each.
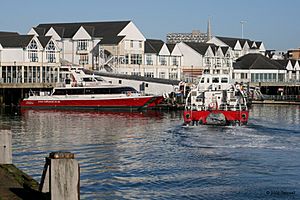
[151, 156]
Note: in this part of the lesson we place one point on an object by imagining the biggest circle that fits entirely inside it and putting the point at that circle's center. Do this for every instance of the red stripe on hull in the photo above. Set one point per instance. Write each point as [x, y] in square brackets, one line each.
[105, 103]
[201, 116]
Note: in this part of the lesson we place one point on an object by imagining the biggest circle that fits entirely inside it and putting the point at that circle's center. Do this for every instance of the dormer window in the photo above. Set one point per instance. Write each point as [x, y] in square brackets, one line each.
[32, 51]
[50, 52]
[82, 45]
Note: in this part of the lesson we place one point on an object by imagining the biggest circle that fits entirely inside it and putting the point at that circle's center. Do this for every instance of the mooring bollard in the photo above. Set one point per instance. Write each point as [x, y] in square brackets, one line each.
[61, 176]
[5, 146]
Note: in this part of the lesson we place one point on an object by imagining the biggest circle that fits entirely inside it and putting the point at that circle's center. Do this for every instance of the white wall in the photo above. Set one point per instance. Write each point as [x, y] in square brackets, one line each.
[190, 56]
[11, 55]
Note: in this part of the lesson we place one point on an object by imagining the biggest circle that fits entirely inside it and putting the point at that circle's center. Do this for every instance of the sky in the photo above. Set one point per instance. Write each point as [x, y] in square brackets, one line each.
[274, 22]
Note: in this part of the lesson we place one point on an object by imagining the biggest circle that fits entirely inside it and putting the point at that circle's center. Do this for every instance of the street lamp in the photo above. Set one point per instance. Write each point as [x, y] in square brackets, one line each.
[242, 27]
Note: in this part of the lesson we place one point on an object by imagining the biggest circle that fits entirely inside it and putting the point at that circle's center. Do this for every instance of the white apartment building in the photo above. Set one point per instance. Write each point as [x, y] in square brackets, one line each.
[116, 46]
[239, 46]
[198, 58]
[28, 59]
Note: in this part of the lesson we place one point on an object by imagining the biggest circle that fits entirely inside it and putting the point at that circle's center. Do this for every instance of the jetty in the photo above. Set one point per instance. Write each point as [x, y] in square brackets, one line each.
[60, 178]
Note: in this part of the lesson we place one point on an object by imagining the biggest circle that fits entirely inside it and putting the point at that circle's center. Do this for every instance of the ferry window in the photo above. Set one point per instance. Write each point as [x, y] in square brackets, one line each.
[202, 80]
[215, 80]
[120, 81]
[146, 85]
[224, 80]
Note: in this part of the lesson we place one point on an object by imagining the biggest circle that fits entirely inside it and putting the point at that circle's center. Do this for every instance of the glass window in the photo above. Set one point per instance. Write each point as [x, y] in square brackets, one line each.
[149, 74]
[82, 45]
[224, 80]
[32, 51]
[215, 79]
[136, 59]
[83, 59]
[50, 52]
[162, 75]
[163, 60]
[149, 60]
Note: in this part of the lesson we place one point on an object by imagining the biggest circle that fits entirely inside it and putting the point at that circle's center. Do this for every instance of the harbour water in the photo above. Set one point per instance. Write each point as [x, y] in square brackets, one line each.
[151, 156]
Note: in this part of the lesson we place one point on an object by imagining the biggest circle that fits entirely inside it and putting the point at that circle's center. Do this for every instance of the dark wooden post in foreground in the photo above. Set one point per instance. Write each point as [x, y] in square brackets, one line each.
[61, 176]
[5, 146]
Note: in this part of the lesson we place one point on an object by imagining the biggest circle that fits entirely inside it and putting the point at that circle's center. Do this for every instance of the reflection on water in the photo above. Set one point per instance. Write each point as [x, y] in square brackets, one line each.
[150, 155]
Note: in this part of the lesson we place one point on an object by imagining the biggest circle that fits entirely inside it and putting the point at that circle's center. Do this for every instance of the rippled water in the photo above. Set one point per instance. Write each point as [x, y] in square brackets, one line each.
[151, 156]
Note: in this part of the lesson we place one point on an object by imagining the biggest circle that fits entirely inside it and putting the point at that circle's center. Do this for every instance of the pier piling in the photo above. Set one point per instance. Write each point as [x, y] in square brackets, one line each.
[5, 146]
[61, 176]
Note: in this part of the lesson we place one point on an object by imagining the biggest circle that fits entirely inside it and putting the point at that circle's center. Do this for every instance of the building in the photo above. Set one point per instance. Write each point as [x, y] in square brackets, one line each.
[195, 36]
[198, 58]
[28, 59]
[257, 68]
[293, 54]
[113, 46]
[239, 46]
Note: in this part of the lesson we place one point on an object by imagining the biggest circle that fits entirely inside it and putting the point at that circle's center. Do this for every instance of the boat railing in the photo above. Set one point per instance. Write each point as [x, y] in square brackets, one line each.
[225, 107]
[39, 93]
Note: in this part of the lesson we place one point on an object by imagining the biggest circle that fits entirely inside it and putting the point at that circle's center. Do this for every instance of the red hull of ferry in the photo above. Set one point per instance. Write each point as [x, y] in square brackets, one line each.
[229, 117]
[135, 103]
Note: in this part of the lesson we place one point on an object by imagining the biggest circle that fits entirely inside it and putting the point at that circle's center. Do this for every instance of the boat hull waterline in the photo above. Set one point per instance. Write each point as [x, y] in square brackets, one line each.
[130, 103]
[215, 117]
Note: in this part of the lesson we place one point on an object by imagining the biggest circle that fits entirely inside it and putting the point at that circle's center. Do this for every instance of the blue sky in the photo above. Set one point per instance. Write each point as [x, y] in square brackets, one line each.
[275, 22]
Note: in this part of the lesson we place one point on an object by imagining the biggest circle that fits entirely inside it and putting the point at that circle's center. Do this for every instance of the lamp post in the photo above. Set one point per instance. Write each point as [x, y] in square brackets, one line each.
[242, 27]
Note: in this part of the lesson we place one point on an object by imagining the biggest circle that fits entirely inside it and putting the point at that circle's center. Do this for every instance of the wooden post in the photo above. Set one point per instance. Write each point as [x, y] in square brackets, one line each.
[5, 147]
[61, 176]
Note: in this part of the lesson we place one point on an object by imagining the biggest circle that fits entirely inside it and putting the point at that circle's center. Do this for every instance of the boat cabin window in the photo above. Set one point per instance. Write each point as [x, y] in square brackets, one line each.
[87, 79]
[82, 91]
[215, 79]
[224, 80]
[202, 80]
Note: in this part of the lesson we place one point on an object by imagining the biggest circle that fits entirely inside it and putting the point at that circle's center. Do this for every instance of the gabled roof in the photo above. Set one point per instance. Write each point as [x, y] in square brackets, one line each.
[44, 40]
[201, 48]
[111, 40]
[153, 46]
[282, 62]
[229, 41]
[224, 50]
[171, 47]
[95, 29]
[4, 33]
[20, 41]
[257, 61]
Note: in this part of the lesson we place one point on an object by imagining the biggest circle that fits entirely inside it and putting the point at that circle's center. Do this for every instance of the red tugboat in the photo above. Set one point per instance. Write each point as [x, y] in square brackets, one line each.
[215, 101]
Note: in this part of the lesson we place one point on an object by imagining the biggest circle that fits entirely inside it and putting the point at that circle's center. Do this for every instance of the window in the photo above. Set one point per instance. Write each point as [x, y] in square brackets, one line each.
[32, 51]
[126, 59]
[207, 61]
[174, 61]
[50, 52]
[149, 74]
[215, 80]
[136, 73]
[136, 59]
[83, 59]
[163, 60]
[131, 43]
[162, 75]
[224, 80]
[173, 76]
[243, 75]
[140, 44]
[82, 45]
[149, 60]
